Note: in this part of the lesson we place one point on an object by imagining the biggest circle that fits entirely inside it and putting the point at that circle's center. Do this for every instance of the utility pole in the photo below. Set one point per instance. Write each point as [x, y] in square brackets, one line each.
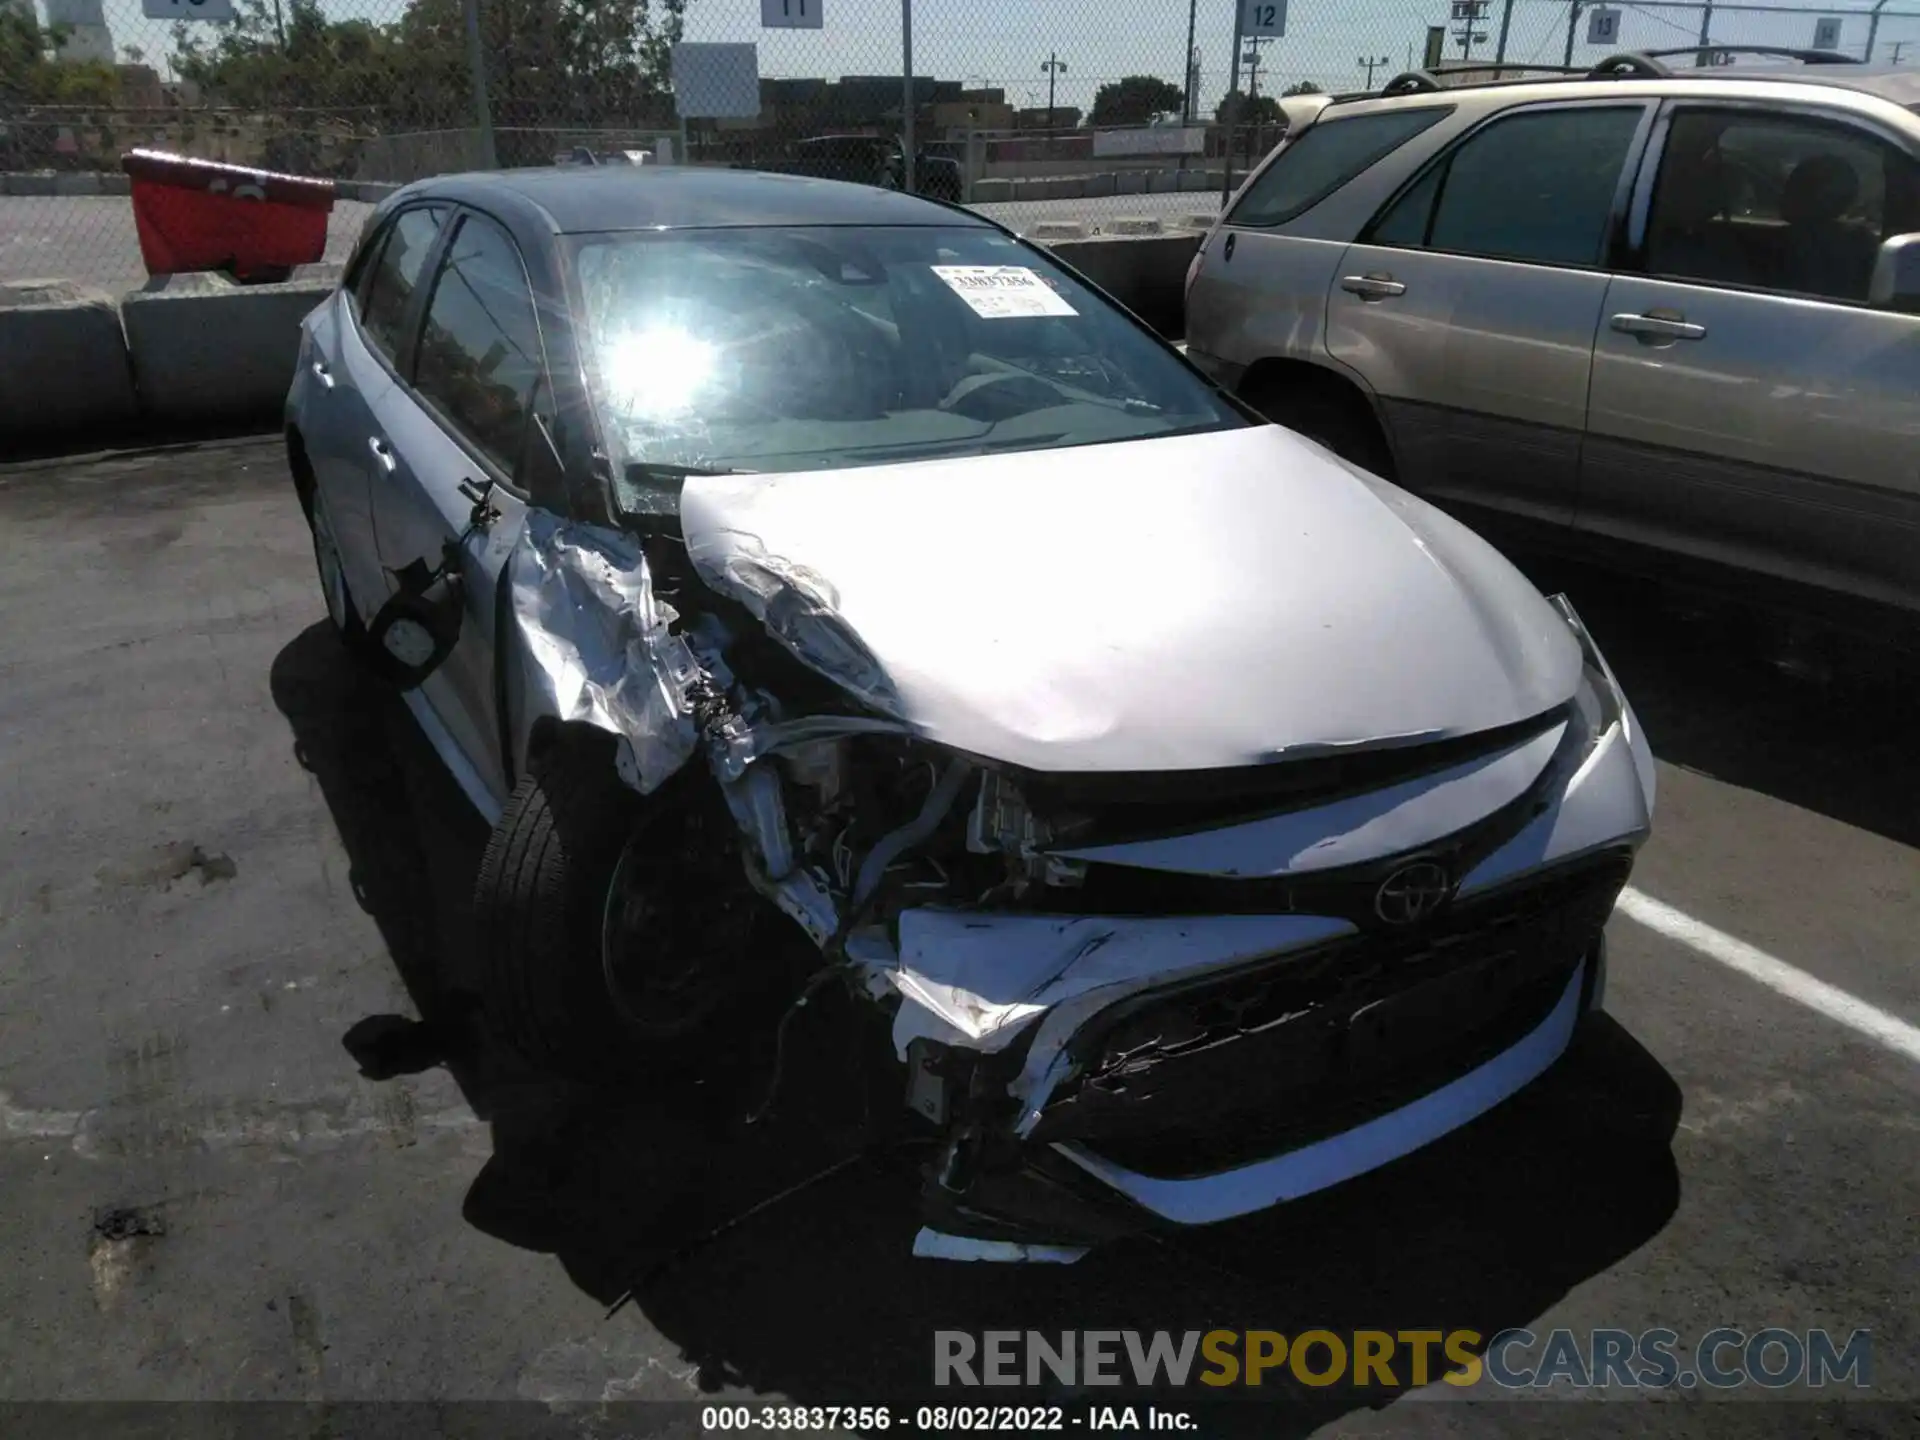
[1506, 23]
[477, 70]
[1186, 103]
[1573, 19]
[1873, 28]
[906, 96]
[1054, 66]
[1373, 63]
[1701, 60]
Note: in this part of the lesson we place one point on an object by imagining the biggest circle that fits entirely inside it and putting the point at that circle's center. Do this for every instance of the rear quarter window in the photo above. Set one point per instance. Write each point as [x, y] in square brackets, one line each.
[1326, 157]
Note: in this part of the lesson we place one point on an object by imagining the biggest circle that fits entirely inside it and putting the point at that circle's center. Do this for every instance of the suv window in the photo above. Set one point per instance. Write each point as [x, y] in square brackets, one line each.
[1779, 202]
[388, 283]
[480, 356]
[1535, 185]
[1326, 157]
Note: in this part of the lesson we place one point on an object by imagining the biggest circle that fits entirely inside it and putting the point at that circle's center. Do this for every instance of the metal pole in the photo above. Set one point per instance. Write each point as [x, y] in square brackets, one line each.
[1506, 20]
[1186, 76]
[1573, 19]
[477, 70]
[1233, 85]
[906, 94]
[1051, 62]
[1873, 30]
[1706, 26]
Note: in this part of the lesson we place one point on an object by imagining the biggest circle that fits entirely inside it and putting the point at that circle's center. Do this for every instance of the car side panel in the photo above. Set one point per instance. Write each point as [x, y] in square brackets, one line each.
[1481, 367]
[1266, 299]
[335, 422]
[1785, 438]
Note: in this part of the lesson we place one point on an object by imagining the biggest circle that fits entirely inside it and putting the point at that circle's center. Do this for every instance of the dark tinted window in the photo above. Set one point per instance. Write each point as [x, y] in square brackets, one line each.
[1777, 202]
[389, 282]
[1536, 186]
[1405, 222]
[480, 349]
[1328, 155]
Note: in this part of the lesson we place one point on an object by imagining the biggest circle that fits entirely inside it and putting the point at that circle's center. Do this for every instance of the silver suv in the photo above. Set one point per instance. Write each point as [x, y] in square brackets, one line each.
[1674, 308]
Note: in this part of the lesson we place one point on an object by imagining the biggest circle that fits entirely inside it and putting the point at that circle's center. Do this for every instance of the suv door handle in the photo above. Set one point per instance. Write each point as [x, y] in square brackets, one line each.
[321, 373]
[1372, 287]
[381, 452]
[1649, 329]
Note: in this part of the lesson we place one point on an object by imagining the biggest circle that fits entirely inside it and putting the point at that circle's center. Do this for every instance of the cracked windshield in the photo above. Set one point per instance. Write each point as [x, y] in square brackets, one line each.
[814, 348]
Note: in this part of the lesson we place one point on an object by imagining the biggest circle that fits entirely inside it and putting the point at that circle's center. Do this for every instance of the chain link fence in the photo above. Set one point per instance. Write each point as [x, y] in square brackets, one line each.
[1073, 116]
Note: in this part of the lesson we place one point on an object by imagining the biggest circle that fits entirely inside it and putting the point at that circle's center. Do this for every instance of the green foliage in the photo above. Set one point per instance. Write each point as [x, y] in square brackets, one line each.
[548, 62]
[1235, 109]
[1305, 87]
[1134, 100]
[29, 71]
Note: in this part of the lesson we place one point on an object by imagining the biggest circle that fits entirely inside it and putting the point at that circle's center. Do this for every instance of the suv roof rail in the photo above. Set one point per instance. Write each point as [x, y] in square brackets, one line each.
[1421, 82]
[1649, 64]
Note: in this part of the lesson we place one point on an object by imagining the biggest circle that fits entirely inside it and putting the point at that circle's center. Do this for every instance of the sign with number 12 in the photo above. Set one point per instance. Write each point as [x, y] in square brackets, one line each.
[790, 14]
[1264, 17]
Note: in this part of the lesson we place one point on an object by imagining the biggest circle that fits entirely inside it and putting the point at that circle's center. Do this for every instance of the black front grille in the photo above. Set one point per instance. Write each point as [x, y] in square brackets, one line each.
[1235, 1067]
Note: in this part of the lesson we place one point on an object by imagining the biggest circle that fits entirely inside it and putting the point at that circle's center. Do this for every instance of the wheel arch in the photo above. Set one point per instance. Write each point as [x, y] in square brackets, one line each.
[1328, 383]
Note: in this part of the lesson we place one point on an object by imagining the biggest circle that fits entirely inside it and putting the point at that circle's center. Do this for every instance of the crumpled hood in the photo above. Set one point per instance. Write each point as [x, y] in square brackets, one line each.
[1168, 604]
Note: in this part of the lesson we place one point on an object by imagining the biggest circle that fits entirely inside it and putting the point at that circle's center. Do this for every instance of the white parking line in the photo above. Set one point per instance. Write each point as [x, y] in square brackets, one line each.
[1829, 1000]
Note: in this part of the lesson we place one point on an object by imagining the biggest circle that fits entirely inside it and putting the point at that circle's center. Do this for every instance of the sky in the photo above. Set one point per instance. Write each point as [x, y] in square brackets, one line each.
[1005, 43]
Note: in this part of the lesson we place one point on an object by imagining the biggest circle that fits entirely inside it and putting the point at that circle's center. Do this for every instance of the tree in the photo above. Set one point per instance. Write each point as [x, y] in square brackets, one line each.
[1135, 100]
[31, 72]
[1305, 87]
[1235, 110]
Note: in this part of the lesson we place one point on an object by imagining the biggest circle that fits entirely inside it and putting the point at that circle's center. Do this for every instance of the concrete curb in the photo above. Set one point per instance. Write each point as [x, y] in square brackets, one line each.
[206, 348]
[63, 359]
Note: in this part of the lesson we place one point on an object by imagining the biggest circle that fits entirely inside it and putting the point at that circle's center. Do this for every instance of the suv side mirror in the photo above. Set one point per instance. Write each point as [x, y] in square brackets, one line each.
[1896, 276]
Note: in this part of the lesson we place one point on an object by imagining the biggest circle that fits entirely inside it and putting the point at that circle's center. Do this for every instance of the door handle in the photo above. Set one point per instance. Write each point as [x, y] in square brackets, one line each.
[1652, 328]
[1372, 287]
[381, 452]
[324, 375]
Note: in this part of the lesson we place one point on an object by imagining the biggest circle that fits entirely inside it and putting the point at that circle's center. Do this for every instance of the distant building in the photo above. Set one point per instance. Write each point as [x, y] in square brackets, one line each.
[1060, 117]
[85, 24]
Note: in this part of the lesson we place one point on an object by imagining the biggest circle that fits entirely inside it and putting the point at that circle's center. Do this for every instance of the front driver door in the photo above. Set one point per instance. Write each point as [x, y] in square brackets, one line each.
[1468, 306]
[478, 373]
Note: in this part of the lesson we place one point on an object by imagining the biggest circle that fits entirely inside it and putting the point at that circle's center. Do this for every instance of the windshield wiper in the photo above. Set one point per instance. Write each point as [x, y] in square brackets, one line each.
[643, 472]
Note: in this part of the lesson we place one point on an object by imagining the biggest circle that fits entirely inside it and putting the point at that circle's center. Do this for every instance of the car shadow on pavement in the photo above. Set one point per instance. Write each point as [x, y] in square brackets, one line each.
[776, 1256]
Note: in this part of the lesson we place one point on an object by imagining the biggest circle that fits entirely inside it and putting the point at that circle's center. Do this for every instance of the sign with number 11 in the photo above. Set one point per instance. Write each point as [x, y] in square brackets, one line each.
[790, 14]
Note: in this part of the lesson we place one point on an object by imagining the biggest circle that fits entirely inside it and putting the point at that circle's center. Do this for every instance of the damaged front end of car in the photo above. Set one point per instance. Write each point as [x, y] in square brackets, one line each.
[1118, 1000]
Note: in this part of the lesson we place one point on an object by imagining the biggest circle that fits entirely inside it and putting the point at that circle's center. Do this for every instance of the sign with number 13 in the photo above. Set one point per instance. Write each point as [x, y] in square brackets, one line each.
[790, 14]
[1264, 17]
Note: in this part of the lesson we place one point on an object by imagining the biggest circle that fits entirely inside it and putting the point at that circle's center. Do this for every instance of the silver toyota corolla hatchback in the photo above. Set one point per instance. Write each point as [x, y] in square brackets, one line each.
[1200, 819]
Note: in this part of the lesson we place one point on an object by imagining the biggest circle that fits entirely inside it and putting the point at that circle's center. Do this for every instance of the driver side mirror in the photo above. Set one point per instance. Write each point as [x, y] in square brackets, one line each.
[420, 623]
[1896, 276]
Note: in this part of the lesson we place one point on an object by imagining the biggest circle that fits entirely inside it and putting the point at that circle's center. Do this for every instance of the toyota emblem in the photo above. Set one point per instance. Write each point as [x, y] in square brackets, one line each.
[1412, 893]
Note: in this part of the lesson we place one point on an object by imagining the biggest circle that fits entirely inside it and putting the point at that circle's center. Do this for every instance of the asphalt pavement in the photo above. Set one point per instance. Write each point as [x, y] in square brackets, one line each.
[252, 1147]
[91, 239]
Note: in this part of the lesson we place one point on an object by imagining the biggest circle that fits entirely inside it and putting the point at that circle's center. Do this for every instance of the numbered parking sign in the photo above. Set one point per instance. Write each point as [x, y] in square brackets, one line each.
[790, 14]
[1826, 33]
[1603, 27]
[187, 9]
[1264, 17]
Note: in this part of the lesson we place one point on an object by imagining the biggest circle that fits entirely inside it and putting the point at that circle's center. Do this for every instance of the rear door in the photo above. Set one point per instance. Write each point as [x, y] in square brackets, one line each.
[1748, 405]
[356, 347]
[1469, 305]
[478, 373]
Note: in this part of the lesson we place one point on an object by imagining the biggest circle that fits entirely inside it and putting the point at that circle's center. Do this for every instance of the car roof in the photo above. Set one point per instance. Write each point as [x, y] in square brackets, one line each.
[585, 198]
[1898, 84]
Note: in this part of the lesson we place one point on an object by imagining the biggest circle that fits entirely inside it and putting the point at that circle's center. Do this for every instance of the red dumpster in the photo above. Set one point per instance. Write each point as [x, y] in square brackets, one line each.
[202, 215]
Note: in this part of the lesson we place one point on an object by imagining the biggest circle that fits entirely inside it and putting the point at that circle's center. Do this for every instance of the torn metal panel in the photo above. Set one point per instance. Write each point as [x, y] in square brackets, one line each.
[1354, 829]
[930, 1244]
[1188, 602]
[974, 979]
[595, 643]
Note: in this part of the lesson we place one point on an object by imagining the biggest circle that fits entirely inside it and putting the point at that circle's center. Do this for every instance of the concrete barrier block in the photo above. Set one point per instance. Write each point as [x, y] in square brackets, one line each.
[42, 182]
[1057, 230]
[1163, 182]
[78, 182]
[1199, 219]
[1063, 187]
[116, 184]
[204, 347]
[1024, 187]
[1132, 182]
[1147, 274]
[1103, 184]
[63, 360]
[1192, 180]
[992, 192]
[1132, 225]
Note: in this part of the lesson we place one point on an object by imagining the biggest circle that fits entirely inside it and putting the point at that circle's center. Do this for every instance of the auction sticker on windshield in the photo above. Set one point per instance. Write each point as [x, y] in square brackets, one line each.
[1002, 292]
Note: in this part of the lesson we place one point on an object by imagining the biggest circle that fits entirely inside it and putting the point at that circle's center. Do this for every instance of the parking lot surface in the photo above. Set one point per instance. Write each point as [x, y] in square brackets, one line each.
[253, 1149]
